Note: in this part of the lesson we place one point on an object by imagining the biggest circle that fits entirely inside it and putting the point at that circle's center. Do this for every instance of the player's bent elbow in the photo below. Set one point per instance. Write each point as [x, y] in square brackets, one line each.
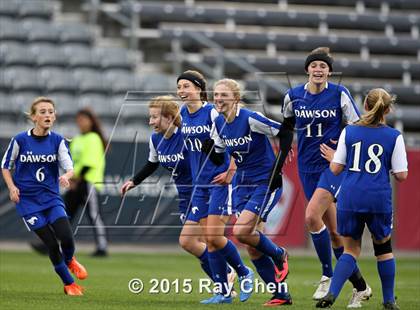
[336, 168]
[401, 176]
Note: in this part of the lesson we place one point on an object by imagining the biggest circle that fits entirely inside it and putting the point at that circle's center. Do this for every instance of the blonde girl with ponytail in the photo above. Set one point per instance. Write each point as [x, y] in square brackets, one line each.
[369, 150]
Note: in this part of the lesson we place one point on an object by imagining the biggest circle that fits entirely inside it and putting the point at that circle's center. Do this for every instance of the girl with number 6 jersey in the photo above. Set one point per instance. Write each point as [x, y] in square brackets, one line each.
[35, 157]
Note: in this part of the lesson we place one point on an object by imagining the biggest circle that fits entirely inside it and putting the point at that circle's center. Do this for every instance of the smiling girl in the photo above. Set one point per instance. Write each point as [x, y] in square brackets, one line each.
[317, 110]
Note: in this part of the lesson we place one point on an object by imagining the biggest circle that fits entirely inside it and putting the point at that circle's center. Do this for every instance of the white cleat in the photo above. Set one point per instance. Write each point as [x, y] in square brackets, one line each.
[358, 297]
[323, 288]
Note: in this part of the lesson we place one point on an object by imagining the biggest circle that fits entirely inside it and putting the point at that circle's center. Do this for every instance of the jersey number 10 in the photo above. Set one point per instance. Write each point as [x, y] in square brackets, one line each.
[373, 157]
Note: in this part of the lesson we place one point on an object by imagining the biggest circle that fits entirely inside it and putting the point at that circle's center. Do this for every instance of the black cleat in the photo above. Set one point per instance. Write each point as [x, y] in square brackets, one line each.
[326, 302]
[99, 253]
[391, 305]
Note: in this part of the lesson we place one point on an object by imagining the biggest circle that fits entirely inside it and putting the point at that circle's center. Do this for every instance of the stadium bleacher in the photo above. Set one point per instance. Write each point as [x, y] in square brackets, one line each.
[375, 43]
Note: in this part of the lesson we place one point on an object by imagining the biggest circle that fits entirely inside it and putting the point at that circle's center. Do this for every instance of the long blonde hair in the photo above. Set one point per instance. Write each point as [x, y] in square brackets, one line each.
[168, 107]
[378, 103]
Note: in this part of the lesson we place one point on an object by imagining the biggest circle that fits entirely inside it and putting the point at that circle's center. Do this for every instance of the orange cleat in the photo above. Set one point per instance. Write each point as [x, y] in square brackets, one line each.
[276, 301]
[73, 289]
[77, 269]
[281, 274]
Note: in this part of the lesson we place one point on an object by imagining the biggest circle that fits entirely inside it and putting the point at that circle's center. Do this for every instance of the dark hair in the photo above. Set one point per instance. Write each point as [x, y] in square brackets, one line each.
[322, 54]
[96, 125]
[197, 79]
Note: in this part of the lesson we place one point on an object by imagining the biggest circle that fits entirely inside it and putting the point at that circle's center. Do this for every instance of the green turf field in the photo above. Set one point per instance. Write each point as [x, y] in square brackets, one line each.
[27, 281]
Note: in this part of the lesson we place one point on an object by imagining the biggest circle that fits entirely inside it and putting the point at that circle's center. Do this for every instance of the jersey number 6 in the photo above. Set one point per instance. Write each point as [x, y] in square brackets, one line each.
[40, 176]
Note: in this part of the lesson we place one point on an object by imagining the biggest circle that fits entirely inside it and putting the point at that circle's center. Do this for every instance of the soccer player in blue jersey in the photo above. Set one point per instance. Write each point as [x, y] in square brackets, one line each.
[370, 150]
[209, 204]
[317, 110]
[35, 156]
[166, 147]
[243, 133]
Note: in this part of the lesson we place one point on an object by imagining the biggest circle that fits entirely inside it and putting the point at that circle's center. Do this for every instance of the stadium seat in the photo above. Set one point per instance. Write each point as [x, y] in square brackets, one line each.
[122, 81]
[393, 4]
[11, 30]
[79, 56]
[21, 102]
[91, 81]
[114, 58]
[58, 80]
[16, 54]
[75, 33]
[132, 111]
[36, 8]
[24, 79]
[101, 104]
[155, 12]
[39, 31]
[49, 55]
[4, 100]
[348, 67]
[402, 45]
[162, 84]
[8, 9]
[5, 84]
[65, 105]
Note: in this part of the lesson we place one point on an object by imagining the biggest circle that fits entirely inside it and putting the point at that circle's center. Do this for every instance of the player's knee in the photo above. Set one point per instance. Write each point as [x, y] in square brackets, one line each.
[241, 233]
[214, 241]
[211, 240]
[186, 243]
[310, 220]
[383, 248]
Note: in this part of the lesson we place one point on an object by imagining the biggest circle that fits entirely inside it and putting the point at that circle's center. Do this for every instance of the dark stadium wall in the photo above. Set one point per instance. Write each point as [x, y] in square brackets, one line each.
[407, 217]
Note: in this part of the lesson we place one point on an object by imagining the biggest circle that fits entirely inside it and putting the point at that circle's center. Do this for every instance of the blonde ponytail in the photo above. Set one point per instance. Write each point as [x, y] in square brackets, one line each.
[378, 103]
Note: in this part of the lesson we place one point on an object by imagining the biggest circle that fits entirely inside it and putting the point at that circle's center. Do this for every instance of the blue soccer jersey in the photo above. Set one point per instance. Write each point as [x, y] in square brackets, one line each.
[369, 154]
[171, 154]
[245, 138]
[196, 128]
[36, 161]
[318, 120]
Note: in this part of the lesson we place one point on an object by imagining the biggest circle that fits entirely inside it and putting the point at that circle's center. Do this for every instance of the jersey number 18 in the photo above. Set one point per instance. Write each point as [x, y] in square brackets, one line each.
[374, 152]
